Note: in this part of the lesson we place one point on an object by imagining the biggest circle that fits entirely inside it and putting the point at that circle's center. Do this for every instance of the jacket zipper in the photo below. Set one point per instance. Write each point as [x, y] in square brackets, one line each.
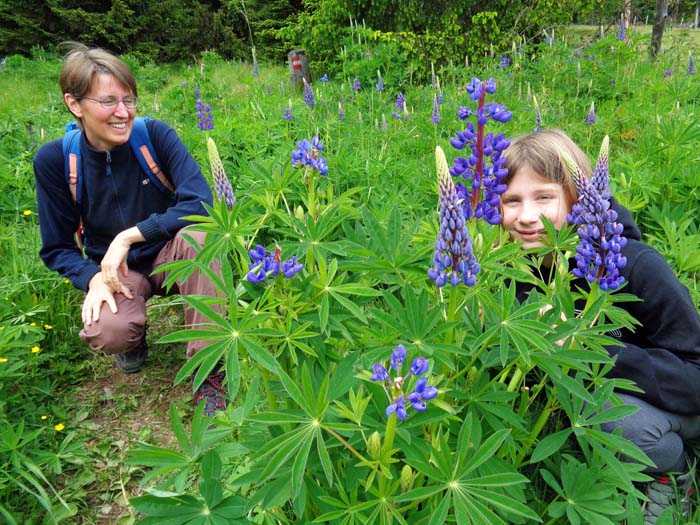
[109, 163]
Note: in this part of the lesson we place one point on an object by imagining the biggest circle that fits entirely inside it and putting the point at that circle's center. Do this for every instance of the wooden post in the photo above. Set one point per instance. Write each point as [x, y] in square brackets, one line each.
[657, 31]
[298, 67]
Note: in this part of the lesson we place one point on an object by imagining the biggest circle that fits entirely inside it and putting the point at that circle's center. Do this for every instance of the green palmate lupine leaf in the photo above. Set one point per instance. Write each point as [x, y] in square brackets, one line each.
[181, 505]
[486, 450]
[574, 386]
[296, 394]
[505, 503]
[278, 418]
[324, 456]
[179, 430]
[293, 441]
[300, 462]
[155, 456]
[471, 511]
[549, 445]
[211, 491]
[211, 466]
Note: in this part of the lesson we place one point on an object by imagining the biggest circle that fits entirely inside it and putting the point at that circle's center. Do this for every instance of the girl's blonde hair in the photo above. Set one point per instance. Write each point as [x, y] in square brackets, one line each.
[82, 64]
[542, 152]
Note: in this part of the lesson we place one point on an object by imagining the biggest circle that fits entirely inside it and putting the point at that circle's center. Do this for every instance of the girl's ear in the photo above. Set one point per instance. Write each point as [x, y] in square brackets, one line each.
[73, 105]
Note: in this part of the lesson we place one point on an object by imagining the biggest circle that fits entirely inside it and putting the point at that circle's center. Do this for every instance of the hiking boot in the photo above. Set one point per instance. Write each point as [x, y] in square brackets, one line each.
[133, 361]
[669, 492]
[212, 393]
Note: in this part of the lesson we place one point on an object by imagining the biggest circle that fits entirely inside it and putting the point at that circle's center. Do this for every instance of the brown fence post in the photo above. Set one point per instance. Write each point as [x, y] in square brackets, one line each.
[298, 67]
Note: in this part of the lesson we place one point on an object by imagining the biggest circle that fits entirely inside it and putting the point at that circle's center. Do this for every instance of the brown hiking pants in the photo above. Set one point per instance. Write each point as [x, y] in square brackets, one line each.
[123, 331]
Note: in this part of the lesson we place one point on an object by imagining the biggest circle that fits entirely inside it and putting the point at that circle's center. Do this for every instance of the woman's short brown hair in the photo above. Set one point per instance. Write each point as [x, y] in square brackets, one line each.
[542, 151]
[82, 64]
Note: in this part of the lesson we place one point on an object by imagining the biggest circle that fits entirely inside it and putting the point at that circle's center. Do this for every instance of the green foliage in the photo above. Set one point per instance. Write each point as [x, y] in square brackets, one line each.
[514, 434]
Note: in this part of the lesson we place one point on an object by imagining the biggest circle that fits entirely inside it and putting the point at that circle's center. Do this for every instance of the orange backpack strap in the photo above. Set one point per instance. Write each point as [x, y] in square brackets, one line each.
[155, 169]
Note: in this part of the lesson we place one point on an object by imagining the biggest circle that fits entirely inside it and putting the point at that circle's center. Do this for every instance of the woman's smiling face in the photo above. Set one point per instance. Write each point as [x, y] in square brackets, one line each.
[528, 198]
[104, 128]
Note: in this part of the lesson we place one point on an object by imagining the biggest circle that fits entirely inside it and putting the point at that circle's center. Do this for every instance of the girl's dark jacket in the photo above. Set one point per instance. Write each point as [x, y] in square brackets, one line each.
[662, 355]
[116, 195]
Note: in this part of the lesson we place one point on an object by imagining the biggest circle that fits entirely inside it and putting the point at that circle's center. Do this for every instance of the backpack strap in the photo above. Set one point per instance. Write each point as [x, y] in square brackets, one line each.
[140, 142]
[71, 154]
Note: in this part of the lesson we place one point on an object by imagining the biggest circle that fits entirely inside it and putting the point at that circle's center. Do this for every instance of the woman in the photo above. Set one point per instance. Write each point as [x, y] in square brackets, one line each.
[662, 355]
[129, 227]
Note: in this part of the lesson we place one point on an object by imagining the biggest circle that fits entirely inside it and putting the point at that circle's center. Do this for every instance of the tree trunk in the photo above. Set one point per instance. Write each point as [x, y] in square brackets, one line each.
[627, 13]
[657, 31]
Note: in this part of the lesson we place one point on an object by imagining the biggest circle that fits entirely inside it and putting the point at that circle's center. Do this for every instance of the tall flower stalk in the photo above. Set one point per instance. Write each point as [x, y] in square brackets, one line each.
[479, 186]
[453, 260]
[222, 185]
[599, 253]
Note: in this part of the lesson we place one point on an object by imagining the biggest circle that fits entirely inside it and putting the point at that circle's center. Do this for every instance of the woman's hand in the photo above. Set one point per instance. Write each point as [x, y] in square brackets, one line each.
[114, 261]
[98, 293]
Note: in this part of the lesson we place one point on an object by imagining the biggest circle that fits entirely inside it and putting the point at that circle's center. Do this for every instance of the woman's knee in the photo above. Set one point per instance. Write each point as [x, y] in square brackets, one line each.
[120, 332]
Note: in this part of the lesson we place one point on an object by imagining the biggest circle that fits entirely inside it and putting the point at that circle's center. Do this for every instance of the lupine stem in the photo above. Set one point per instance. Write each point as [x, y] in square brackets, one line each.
[479, 168]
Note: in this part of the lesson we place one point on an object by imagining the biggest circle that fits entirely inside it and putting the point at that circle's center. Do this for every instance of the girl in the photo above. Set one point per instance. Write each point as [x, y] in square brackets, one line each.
[662, 355]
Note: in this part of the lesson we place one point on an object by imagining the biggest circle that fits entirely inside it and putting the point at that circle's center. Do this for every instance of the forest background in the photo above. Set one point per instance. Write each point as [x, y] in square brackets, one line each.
[435, 31]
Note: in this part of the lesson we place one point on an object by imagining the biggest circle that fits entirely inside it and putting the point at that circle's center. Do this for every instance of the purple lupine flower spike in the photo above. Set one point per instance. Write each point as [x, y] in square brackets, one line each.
[622, 33]
[435, 118]
[599, 253]
[691, 64]
[356, 86]
[380, 82]
[454, 260]
[591, 117]
[222, 185]
[309, 99]
[204, 116]
[481, 174]
[396, 387]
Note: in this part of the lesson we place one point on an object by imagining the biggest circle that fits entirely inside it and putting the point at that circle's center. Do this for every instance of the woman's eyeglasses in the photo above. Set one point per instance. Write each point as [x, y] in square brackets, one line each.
[129, 102]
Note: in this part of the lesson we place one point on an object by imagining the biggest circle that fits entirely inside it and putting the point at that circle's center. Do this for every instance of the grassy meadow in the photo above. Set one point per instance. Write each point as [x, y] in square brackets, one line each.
[512, 437]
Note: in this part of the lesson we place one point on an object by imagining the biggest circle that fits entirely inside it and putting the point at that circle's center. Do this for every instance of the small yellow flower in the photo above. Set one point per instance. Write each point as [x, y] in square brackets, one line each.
[66, 281]
[3, 359]
[27, 213]
[59, 427]
[36, 349]
[48, 327]
[32, 324]
[44, 417]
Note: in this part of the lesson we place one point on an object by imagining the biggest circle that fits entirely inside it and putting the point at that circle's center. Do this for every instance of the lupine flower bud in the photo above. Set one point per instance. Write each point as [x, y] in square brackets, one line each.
[406, 478]
[222, 185]
[380, 82]
[691, 64]
[356, 86]
[374, 445]
[538, 115]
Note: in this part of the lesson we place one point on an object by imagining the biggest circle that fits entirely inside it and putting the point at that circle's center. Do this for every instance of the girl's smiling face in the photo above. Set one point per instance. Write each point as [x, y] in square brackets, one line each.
[528, 198]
